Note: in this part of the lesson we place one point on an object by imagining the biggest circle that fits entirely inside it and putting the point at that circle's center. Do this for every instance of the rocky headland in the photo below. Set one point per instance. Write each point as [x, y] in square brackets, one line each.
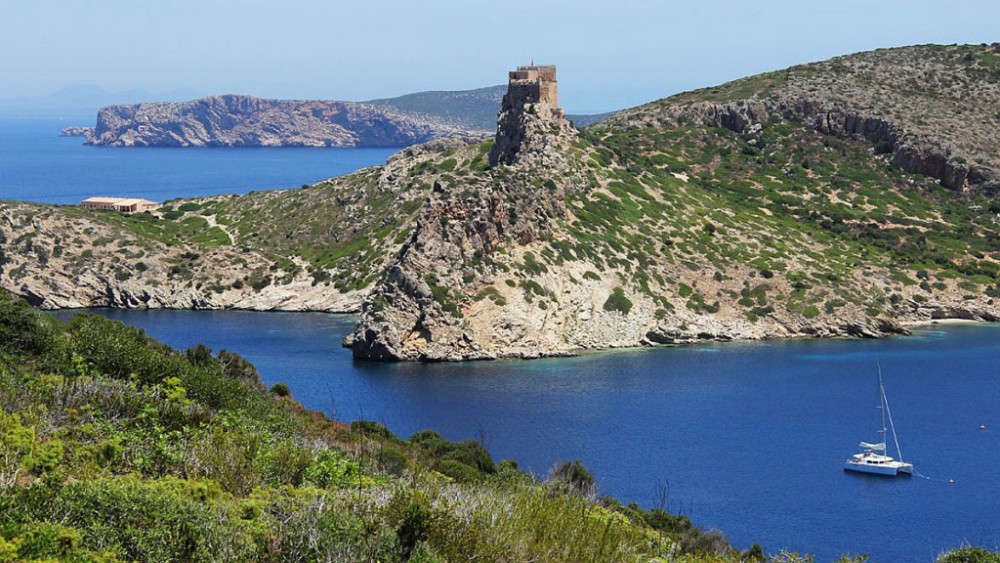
[245, 121]
[791, 204]
[76, 131]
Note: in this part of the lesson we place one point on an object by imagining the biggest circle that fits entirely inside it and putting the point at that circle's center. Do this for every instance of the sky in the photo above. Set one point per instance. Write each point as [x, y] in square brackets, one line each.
[610, 55]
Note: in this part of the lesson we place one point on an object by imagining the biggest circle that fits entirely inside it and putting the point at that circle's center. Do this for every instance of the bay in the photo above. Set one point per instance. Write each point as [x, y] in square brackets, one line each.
[36, 164]
[749, 438]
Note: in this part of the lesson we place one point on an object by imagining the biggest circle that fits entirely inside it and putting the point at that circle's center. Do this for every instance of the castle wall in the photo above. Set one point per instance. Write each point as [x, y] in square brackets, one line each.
[547, 73]
[528, 86]
[548, 92]
[535, 84]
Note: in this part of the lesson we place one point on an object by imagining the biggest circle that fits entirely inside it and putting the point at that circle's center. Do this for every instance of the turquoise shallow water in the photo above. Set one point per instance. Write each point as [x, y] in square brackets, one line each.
[749, 438]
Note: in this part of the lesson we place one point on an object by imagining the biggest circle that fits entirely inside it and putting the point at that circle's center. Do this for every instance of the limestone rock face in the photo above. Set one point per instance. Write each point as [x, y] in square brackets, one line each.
[59, 261]
[245, 121]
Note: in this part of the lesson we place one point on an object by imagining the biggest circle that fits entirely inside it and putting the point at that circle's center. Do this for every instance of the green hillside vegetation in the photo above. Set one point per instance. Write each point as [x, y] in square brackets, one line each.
[114, 447]
[788, 202]
[946, 92]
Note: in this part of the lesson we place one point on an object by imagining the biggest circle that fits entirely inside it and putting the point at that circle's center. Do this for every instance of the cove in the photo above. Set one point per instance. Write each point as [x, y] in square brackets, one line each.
[749, 438]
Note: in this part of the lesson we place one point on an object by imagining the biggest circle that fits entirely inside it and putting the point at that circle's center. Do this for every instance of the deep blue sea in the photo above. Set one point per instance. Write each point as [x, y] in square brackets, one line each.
[749, 438]
[38, 165]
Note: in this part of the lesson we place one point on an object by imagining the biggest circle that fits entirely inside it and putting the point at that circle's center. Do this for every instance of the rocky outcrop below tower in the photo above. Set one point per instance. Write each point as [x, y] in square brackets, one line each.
[245, 121]
[413, 312]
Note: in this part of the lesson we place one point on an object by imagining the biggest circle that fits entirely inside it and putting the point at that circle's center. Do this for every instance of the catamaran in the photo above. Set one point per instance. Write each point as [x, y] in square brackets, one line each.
[873, 457]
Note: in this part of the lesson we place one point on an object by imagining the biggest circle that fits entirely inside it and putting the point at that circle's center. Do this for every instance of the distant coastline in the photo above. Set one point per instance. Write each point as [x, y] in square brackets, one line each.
[247, 121]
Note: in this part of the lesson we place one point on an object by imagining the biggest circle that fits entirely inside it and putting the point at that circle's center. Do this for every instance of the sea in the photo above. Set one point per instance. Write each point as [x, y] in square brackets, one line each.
[36, 164]
[746, 437]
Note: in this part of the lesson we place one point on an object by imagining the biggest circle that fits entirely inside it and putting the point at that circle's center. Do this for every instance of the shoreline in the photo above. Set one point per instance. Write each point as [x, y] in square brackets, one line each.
[577, 352]
[932, 322]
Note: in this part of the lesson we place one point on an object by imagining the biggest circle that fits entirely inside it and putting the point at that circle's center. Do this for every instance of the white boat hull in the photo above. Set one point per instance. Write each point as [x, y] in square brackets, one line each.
[873, 458]
[887, 468]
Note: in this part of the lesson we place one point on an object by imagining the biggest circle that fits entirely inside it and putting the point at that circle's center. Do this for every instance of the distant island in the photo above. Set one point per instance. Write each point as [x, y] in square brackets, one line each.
[246, 121]
[848, 197]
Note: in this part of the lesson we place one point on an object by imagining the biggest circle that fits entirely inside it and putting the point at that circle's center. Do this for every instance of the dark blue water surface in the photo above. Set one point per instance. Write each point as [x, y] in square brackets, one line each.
[38, 165]
[749, 437]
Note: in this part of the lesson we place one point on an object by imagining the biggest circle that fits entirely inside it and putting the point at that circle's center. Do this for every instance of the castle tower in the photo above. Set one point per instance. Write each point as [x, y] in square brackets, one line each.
[532, 97]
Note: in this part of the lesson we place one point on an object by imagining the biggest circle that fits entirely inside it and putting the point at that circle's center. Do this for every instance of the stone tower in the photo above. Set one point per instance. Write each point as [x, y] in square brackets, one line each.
[532, 99]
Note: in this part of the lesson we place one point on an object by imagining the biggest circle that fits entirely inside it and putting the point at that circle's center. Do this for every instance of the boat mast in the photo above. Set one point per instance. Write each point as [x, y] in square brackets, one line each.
[881, 407]
[885, 402]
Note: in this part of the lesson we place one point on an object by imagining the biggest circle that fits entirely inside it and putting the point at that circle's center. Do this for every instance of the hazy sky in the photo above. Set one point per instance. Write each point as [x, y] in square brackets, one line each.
[610, 54]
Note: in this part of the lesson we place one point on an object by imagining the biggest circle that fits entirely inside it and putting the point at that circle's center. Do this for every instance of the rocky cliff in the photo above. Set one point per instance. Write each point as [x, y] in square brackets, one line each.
[776, 206]
[245, 121]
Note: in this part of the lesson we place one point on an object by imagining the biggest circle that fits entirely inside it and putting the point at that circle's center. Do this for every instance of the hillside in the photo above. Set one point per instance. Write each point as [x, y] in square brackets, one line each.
[114, 447]
[836, 198]
[473, 109]
[931, 109]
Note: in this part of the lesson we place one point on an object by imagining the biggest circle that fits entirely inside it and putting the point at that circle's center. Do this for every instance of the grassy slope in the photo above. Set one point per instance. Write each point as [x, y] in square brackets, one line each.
[820, 212]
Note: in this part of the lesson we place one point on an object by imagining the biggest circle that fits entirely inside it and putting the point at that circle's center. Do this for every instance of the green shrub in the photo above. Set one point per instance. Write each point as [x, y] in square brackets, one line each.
[392, 460]
[372, 428]
[138, 520]
[573, 477]
[24, 330]
[617, 301]
[460, 472]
